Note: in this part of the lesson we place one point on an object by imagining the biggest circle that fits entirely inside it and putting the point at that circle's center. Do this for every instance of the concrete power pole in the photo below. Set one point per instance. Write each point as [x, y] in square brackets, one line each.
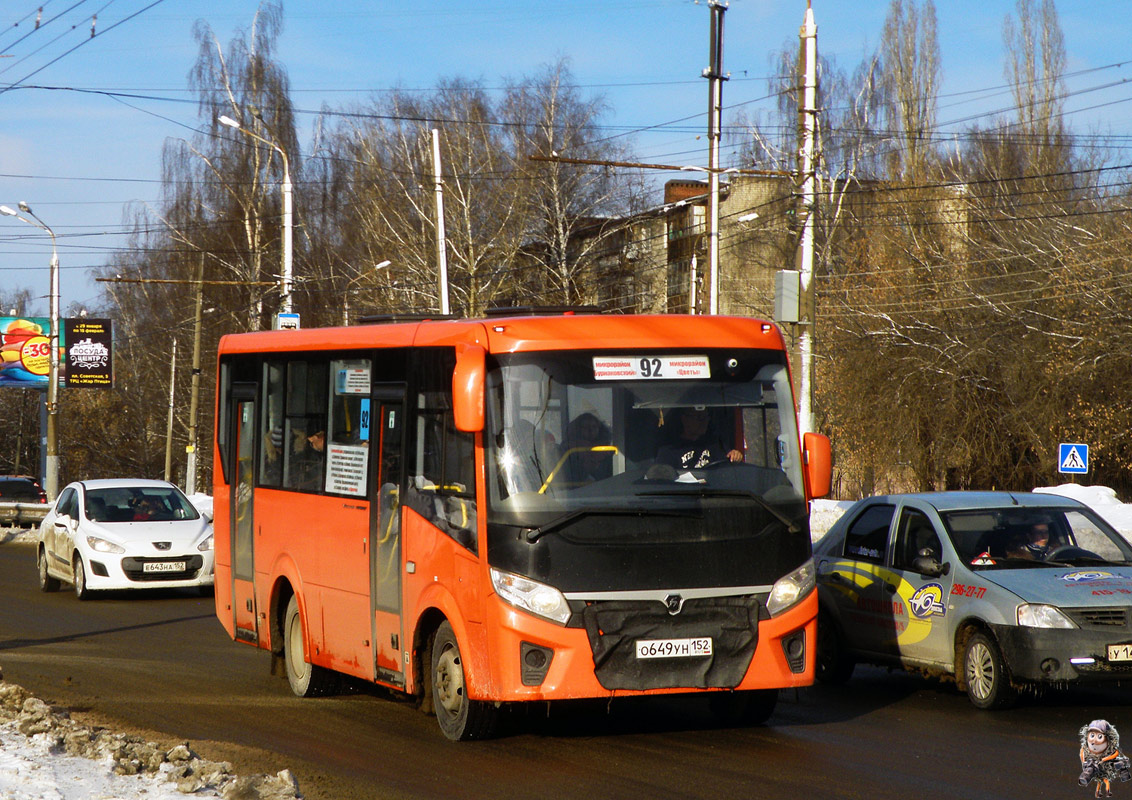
[715, 76]
[441, 251]
[807, 113]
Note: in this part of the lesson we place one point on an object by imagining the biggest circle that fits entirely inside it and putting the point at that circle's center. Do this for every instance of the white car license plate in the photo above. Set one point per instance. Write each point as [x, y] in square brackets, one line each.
[674, 648]
[1120, 652]
[163, 566]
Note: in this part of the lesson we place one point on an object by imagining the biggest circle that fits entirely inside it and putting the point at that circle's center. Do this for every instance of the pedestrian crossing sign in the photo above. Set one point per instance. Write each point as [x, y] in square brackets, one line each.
[1073, 458]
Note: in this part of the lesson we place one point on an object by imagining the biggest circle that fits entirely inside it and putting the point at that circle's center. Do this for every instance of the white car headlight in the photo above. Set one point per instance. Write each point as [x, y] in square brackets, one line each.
[790, 589]
[1038, 615]
[531, 596]
[103, 546]
[205, 545]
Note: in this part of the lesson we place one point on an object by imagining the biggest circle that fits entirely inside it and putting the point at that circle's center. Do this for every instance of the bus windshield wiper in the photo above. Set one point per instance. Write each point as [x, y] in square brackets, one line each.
[791, 525]
[534, 534]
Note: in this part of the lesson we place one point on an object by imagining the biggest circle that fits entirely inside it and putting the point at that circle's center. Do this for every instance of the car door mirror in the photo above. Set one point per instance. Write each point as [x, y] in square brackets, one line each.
[928, 565]
[63, 521]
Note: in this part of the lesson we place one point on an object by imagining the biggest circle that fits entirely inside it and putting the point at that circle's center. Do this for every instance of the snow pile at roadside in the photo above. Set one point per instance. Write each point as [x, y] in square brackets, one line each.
[45, 755]
[1102, 499]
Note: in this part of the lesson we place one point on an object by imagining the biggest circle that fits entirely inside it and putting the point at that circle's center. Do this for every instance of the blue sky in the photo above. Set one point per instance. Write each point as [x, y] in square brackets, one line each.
[77, 157]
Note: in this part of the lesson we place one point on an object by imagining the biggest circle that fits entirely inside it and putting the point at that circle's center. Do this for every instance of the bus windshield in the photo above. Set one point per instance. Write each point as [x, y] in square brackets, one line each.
[571, 431]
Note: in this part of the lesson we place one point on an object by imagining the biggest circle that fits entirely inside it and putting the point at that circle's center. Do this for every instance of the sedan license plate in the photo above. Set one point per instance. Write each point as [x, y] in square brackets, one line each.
[1120, 652]
[674, 648]
[163, 566]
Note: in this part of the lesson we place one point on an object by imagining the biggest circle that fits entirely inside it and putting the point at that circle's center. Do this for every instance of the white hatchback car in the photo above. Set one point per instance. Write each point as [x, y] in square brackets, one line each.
[124, 534]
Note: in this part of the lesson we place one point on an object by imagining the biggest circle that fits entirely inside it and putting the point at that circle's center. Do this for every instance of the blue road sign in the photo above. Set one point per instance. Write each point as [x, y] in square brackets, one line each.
[1073, 458]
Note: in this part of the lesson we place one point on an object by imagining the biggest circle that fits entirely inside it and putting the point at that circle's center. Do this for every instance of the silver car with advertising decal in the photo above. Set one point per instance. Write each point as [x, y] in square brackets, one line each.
[1001, 590]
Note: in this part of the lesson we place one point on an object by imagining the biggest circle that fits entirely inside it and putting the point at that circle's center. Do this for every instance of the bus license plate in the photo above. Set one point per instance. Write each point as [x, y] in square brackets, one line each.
[674, 648]
[163, 566]
[1120, 652]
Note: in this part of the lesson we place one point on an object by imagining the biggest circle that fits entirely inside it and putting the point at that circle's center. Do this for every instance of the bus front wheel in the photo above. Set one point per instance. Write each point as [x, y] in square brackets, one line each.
[460, 718]
[306, 679]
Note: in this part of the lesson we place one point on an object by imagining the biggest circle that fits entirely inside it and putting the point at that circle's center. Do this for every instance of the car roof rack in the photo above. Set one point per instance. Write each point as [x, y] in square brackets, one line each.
[540, 311]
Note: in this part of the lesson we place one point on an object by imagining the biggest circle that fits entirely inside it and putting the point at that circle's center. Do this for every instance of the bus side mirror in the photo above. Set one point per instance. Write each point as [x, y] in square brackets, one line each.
[467, 387]
[819, 463]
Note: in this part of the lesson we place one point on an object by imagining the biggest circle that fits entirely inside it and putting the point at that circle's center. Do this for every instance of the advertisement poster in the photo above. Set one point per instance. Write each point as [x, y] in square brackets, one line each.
[89, 353]
[25, 351]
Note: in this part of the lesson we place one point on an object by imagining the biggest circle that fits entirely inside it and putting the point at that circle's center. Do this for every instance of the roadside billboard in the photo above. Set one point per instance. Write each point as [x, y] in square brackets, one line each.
[89, 353]
[25, 351]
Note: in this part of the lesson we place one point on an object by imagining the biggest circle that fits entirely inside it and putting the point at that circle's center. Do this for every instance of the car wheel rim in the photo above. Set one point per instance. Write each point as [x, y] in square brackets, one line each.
[449, 681]
[80, 578]
[980, 670]
[42, 569]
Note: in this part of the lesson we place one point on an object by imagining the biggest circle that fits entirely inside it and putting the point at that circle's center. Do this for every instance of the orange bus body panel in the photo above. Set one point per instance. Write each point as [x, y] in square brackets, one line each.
[318, 544]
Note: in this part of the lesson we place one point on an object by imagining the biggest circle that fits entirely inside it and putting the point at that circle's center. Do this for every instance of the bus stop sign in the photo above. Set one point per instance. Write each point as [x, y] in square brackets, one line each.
[1073, 458]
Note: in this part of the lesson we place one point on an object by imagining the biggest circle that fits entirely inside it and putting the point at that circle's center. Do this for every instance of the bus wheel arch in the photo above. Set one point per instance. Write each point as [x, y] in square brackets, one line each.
[426, 628]
[460, 717]
[306, 679]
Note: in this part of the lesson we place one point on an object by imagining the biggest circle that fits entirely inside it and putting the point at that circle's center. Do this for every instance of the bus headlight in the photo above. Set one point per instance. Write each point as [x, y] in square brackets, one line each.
[531, 596]
[789, 589]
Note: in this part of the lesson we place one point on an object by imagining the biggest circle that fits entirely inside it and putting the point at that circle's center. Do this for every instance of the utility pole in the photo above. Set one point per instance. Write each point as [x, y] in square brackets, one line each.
[441, 251]
[715, 76]
[807, 112]
[169, 418]
[194, 402]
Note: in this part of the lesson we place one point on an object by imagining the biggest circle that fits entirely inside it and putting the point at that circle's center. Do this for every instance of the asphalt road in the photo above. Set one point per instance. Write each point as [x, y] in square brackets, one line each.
[160, 664]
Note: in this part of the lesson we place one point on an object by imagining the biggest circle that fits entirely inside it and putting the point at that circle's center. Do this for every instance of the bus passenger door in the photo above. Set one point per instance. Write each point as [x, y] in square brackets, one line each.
[242, 471]
[385, 532]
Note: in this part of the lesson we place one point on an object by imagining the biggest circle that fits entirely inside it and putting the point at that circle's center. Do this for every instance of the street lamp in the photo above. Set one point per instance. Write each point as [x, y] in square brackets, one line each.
[285, 285]
[51, 462]
[346, 293]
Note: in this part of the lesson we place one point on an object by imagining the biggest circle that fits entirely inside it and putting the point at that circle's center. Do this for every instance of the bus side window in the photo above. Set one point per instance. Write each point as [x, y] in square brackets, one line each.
[271, 437]
[304, 427]
[442, 485]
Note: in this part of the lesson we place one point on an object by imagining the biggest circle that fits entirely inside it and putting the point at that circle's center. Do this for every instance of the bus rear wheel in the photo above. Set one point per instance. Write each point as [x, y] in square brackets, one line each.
[306, 679]
[460, 718]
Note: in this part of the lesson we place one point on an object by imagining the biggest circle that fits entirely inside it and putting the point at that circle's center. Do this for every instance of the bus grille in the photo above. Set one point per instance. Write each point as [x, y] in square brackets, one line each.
[615, 626]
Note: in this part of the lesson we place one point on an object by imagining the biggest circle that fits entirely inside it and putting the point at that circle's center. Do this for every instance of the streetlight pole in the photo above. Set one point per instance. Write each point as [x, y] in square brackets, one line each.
[51, 462]
[285, 279]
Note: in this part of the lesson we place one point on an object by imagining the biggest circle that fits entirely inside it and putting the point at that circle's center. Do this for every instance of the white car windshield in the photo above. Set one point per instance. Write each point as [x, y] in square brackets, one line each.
[138, 504]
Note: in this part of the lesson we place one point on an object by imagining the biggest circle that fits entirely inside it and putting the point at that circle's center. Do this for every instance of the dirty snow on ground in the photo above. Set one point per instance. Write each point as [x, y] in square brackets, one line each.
[32, 768]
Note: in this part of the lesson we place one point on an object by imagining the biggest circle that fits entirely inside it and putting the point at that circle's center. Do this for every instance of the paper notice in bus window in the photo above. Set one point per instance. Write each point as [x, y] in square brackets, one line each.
[352, 381]
[638, 368]
[346, 469]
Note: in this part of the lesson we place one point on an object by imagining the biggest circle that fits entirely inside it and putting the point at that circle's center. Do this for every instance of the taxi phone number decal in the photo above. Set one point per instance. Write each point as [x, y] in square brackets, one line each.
[963, 590]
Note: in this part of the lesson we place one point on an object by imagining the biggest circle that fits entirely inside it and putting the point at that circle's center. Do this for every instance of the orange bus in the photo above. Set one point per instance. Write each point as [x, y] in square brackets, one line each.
[525, 507]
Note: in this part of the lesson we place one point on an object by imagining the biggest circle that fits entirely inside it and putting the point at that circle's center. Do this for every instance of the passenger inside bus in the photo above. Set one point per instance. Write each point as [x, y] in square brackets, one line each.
[697, 444]
[309, 461]
[584, 461]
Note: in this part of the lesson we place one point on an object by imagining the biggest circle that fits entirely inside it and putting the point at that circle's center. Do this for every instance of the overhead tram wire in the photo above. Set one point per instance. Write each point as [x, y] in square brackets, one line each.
[85, 41]
[39, 26]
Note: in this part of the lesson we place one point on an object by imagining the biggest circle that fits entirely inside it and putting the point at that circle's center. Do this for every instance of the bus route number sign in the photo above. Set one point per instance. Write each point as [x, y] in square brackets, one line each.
[638, 368]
